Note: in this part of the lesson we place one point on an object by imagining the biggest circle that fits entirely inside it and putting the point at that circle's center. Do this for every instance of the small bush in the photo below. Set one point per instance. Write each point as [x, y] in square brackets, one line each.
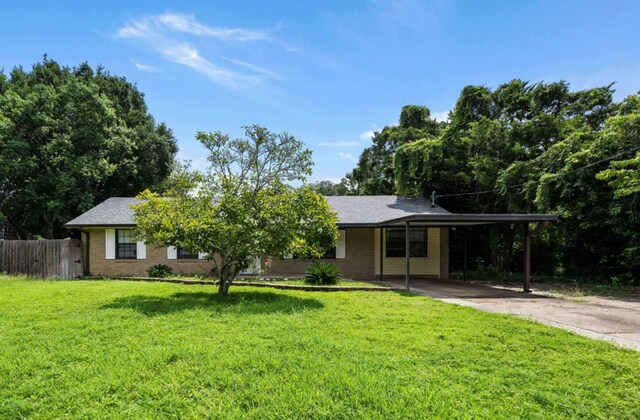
[322, 273]
[485, 272]
[159, 270]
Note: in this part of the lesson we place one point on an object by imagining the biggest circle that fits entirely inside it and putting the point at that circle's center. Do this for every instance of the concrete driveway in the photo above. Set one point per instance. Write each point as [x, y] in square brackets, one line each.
[612, 319]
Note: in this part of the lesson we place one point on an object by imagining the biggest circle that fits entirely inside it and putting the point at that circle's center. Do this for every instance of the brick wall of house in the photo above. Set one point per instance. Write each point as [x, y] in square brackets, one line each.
[358, 263]
[100, 266]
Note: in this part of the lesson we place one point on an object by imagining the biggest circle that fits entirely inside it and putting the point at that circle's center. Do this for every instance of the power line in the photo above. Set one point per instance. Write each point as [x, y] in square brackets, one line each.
[557, 175]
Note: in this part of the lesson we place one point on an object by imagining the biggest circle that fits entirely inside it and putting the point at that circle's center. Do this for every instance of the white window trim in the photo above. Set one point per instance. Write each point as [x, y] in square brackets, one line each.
[141, 250]
[110, 244]
[172, 253]
[341, 245]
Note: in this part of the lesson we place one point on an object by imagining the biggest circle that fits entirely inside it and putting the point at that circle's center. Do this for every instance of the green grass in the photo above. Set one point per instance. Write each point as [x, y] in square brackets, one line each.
[144, 350]
[292, 280]
[564, 286]
[301, 281]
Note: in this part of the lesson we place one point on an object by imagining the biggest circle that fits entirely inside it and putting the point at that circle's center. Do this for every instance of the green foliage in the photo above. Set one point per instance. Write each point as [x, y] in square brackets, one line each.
[72, 137]
[322, 273]
[418, 117]
[527, 148]
[374, 174]
[330, 188]
[159, 271]
[387, 355]
[242, 207]
[483, 271]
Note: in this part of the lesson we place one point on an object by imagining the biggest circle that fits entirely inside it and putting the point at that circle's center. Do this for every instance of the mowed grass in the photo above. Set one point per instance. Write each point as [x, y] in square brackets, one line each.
[146, 350]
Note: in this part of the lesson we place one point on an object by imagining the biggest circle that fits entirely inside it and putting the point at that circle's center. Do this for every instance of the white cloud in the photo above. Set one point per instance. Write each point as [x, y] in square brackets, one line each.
[146, 68]
[248, 66]
[161, 33]
[188, 56]
[367, 135]
[338, 144]
[188, 24]
[441, 116]
[347, 156]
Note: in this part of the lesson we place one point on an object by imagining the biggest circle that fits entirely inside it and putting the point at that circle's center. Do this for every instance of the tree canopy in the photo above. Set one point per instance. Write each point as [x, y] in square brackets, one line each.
[72, 137]
[527, 148]
[242, 206]
[374, 173]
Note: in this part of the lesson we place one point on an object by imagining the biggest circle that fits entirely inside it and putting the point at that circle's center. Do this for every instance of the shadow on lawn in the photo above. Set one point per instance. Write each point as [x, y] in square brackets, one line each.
[238, 302]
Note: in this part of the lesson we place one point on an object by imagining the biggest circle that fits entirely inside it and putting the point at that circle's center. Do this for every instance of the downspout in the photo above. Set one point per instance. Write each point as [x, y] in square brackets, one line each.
[407, 255]
[381, 254]
[86, 263]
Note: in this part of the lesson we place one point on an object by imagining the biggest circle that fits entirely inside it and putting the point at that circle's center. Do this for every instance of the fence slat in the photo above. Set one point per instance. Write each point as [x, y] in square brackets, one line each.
[51, 258]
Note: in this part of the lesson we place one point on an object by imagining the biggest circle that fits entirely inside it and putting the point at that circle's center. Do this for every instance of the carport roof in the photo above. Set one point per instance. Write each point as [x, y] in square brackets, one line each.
[352, 211]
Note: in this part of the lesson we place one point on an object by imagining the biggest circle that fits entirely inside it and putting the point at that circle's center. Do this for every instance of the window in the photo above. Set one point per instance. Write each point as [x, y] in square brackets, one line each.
[329, 254]
[126, 247]
[186, 254]
[417, 242]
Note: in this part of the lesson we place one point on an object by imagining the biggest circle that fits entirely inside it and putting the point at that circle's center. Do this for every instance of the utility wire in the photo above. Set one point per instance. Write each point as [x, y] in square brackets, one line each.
[520, 185]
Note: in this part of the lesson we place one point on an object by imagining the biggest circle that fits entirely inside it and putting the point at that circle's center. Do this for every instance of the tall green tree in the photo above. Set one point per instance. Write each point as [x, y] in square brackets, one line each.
[328, 187]
[374, 173]
[242, 207]
[72, 137]
[539, 148]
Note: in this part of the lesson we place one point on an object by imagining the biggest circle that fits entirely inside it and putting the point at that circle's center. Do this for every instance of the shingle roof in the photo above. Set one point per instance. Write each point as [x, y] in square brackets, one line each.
[352, 210]
[114, 211]
[374, 209]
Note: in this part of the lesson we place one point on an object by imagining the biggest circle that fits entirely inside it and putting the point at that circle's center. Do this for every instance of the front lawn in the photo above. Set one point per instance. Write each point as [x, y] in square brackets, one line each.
[132, 350]
[297, 281]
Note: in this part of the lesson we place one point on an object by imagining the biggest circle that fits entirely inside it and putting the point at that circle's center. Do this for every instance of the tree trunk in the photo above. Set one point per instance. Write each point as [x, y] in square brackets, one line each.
[49, 226]
[222, 288]
[225, 277]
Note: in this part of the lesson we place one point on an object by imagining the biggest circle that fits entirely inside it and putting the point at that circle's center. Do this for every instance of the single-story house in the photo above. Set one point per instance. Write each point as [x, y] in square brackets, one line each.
[374, 234]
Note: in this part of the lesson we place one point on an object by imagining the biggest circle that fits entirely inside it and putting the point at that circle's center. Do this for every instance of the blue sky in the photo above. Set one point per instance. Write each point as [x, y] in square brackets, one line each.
[328, 72]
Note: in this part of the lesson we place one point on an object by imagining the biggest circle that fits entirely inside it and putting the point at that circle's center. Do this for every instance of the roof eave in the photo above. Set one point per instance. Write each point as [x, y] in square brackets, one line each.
[99, 225]
[475, 218]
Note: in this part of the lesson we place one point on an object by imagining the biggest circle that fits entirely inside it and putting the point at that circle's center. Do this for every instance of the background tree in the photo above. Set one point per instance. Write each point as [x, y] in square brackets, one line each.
[529, 148]
[374, 174]
[243, 207]
[327, 187]
[72, 137]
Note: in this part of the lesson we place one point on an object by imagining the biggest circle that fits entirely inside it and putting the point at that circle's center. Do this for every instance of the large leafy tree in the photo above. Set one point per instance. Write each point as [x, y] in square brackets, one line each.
[71, 137]
[374, 174]
[328, 187]
[501, 146]
[243, 206]
[524, 148]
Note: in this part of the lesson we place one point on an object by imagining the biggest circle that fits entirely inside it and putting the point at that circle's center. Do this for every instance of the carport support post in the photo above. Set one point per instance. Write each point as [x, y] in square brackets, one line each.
[407, 254]
[527, 259]
[381, 254]
[464, 267]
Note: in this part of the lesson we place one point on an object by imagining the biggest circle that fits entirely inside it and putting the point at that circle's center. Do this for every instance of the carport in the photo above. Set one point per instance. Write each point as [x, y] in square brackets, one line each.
[453, 220]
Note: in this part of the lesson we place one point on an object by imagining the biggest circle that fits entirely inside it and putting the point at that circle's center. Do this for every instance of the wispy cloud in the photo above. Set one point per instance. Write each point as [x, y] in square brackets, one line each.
[347, 156]
[188, 24]
[165, 34]
[146, 68]
[338, 143]
[367, 135]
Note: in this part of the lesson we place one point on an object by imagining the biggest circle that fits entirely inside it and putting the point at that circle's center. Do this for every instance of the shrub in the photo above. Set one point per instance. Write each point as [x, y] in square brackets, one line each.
[322, 273]
[485, 272]
[159, 270]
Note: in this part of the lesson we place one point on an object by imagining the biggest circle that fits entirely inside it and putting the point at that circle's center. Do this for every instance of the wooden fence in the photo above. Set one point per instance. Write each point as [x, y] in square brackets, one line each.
[61, 258]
